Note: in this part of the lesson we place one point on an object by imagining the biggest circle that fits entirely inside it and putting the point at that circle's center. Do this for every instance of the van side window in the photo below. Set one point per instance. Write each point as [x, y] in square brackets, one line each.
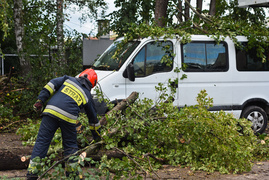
[154, 57]
[204, 56]
[249, 61]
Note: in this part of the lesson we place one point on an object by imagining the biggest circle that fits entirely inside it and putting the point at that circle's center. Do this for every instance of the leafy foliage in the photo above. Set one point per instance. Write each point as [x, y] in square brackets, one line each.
[193, 136]
[155, 133]
[229, 21]
[129, 12]
[261, 152]
[40, 47]
[4, 18]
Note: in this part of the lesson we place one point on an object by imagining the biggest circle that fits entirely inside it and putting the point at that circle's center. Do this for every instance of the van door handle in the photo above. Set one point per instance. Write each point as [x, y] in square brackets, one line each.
[116, 85]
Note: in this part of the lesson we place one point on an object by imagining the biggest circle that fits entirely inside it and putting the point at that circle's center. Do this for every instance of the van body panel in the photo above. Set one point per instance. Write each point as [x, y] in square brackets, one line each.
[232, 90]
[112, 86]
[217, 84]
[221, 92]
[147, 85]
[103, 74]
[250, 89]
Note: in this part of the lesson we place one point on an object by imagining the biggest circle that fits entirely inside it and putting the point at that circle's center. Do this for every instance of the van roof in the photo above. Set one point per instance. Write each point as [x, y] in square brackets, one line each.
[196, 37]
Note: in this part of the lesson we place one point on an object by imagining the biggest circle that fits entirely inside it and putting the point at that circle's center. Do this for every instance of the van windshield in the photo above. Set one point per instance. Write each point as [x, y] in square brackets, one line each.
[107, 61]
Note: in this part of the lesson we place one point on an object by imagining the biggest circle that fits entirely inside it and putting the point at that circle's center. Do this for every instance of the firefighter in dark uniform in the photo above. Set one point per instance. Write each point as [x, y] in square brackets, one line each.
[68, 96]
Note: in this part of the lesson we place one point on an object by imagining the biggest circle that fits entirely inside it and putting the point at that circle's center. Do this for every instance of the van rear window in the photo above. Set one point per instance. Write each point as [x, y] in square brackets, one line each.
[204, 56]
[249, 61]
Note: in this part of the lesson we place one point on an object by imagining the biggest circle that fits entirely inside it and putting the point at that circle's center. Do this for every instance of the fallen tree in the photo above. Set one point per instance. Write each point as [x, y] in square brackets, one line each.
[120, 106]
[144, 136]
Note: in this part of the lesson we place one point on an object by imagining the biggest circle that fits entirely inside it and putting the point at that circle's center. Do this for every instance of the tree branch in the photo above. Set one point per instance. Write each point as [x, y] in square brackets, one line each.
[194, 24]
[196, 12]
[152, 168]
[131, 159]
[120, 106]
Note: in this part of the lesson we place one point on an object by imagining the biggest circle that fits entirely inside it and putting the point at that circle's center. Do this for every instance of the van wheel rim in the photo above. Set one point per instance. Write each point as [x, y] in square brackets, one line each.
[257, 120]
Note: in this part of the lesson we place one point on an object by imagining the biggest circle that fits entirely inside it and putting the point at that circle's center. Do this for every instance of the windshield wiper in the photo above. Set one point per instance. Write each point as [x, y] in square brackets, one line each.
[102, 67]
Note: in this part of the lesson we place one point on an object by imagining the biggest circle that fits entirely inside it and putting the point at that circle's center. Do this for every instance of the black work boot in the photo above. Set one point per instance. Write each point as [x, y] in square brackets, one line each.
[31, 176]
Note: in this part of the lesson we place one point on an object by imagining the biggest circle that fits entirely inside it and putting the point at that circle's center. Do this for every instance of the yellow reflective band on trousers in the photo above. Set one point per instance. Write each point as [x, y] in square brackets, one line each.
[75, 88]
[59, 115]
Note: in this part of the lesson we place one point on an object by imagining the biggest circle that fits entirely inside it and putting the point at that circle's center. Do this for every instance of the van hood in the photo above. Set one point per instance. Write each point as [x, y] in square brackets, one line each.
[103, 74]
[100, 74]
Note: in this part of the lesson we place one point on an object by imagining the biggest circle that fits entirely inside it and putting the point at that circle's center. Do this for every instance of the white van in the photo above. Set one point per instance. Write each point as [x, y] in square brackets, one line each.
[238, 81]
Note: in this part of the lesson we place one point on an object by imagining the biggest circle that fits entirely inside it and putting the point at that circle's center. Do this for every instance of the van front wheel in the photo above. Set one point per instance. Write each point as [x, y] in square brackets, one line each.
[257, 116]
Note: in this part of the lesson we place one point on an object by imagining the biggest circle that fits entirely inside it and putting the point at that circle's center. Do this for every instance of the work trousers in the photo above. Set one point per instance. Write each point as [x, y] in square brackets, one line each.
[47, 129]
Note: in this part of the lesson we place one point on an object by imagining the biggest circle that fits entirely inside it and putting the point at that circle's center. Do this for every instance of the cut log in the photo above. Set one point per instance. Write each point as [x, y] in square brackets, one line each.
[120, 106]
[11, 151]
[91, 150]
[25, 158]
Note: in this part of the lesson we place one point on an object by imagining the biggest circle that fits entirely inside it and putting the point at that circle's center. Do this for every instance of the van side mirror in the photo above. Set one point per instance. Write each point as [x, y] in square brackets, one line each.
[129, 72]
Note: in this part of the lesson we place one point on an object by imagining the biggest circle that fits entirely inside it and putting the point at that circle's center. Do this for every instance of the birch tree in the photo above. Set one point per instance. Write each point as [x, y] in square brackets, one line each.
[19, 34]
[60, 31]
[43, 22]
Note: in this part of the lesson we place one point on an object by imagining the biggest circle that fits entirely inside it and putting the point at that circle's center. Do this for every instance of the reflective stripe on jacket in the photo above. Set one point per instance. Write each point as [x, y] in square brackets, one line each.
[68, 96]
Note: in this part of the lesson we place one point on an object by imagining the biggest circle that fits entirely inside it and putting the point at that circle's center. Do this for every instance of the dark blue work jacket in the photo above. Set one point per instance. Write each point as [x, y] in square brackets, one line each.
[68, 97]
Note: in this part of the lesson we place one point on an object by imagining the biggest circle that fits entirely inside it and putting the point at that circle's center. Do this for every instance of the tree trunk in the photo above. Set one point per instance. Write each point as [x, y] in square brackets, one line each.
[180, 19]
[60, 34]
[120, 106]
[187, 10]
[11, 151]
[161, 12]
[199, 5]
[212, 9]
[19, 33]
[93, 151]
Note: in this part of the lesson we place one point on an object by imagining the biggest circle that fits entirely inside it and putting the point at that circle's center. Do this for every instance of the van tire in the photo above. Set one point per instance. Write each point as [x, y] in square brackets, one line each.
[257, 116]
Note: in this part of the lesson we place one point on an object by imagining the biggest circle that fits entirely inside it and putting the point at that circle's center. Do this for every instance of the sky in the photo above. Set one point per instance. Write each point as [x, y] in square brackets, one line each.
[91, 27]
[88, 27]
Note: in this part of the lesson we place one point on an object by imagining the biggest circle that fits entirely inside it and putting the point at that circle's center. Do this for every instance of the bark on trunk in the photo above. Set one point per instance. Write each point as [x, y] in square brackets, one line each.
[19, 33]
[161, 12]
[11, 158]
[96, 154]
[199, 5]
[212, 9]
[180, 19]
[11, 151]
[187, 10]
[120, 106]
[60, 35]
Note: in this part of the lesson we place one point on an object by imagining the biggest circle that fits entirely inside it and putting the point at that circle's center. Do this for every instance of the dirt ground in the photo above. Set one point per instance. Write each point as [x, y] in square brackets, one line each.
[260, 170]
